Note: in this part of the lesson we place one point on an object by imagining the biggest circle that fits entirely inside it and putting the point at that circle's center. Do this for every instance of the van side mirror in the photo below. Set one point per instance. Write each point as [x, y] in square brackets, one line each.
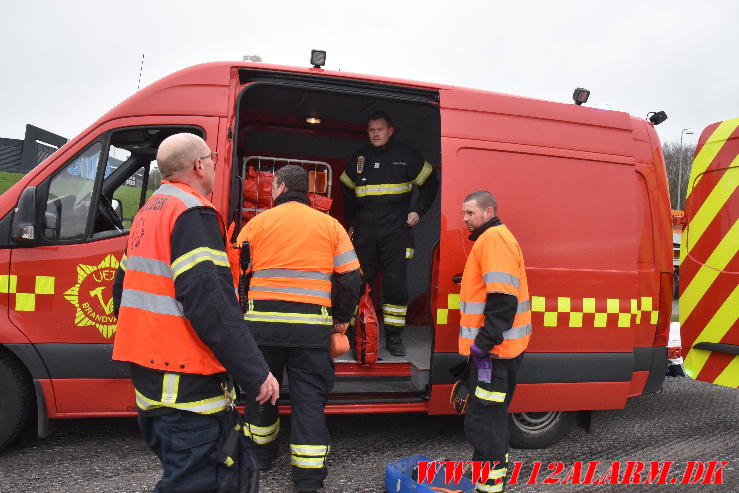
[23, 228]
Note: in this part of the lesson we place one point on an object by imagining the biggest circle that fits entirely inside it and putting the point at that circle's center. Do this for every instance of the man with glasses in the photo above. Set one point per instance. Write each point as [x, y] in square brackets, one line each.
[180, 325]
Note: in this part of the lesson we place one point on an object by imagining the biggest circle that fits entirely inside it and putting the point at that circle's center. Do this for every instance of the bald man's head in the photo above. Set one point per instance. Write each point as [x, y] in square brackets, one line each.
[177, 152]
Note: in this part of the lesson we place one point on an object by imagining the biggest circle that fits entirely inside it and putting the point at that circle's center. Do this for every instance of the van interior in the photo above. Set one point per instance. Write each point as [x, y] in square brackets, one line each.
[319, 126]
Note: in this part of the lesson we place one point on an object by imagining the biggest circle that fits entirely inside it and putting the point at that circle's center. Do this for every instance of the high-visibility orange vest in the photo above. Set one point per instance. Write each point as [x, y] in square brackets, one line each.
[495, 265]
[152, 329]
[295, 249]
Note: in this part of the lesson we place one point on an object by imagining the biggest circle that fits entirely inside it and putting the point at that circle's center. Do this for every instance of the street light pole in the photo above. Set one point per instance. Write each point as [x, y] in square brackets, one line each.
[680, 166]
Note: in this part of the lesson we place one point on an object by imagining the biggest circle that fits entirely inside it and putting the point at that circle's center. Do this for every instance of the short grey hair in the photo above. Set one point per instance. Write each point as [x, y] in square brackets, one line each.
[484, 199]
[294, 177]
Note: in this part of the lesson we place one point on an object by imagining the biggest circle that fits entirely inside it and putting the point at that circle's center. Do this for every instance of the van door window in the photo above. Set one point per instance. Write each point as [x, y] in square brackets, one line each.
[70, 194]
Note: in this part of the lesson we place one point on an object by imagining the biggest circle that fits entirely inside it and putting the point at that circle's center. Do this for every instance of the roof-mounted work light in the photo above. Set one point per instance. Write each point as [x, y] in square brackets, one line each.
[317, 58]
[313, 120]
[656, 117]
[580, 96]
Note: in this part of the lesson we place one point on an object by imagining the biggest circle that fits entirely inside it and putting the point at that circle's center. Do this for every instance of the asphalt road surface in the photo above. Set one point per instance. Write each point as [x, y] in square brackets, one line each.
[687, 421]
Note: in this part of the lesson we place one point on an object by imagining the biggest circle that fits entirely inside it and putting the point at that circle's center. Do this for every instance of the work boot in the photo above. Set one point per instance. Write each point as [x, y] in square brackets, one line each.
[394, 344]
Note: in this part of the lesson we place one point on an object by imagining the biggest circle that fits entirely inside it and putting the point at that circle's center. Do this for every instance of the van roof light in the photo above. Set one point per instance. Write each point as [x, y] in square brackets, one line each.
[656, 117]
[580, 96]
[317, 58]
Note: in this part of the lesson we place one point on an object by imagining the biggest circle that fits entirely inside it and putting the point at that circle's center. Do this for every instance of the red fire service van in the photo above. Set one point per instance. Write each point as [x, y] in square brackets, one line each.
[709, 263]
[584, 190]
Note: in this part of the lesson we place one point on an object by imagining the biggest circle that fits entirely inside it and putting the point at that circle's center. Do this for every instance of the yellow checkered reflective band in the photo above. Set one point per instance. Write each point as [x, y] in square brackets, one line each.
[26, 302]
[384, 189]
[194, 257]
[262, 435]
[640, 310]
[487, 395]
[308, 456]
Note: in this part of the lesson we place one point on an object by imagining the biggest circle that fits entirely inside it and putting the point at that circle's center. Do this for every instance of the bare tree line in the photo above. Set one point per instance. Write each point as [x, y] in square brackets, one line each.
[676, 175]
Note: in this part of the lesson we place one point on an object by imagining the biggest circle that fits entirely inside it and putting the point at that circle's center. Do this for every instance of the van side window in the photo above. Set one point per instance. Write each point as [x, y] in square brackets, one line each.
[70, 194]
[127, 197]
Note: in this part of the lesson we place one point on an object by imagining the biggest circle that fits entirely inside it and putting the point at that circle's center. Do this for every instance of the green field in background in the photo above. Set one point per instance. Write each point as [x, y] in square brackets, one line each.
[8, 179]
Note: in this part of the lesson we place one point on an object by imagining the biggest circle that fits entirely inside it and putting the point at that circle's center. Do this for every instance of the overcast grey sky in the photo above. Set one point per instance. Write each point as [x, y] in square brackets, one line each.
[66, 63]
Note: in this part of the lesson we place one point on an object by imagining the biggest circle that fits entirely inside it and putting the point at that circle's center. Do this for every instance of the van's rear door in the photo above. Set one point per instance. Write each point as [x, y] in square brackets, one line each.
[709, 263]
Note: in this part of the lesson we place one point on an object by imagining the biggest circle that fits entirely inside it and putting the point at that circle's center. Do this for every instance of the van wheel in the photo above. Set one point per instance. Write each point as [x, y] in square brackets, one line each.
[538, 430]
[17, 399]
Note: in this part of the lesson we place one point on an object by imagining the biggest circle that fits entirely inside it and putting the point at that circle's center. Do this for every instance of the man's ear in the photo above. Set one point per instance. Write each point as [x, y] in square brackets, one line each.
[198, 168]
[392, 131]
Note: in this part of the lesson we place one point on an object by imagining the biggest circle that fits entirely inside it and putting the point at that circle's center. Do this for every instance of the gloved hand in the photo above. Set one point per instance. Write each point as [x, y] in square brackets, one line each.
[482, 362]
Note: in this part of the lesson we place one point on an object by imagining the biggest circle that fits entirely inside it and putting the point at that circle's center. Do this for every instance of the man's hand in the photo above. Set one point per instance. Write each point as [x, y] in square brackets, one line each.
[482, 361]
[269, 390]
[340, 327]
[413, 219]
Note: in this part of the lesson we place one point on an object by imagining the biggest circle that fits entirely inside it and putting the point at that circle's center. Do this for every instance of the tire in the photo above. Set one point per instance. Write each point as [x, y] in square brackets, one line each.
[539, 429]
[17, 399]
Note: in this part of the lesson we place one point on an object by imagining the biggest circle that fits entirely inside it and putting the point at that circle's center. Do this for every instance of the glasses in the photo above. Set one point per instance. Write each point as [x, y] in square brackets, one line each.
[213, 157]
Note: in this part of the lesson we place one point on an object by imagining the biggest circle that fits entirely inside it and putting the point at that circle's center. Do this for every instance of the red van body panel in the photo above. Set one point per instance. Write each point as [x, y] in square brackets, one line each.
[600, 268]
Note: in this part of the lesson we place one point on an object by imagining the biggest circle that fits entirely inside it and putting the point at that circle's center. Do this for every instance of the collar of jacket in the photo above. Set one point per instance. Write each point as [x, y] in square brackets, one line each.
[493, 221]
[292, 197]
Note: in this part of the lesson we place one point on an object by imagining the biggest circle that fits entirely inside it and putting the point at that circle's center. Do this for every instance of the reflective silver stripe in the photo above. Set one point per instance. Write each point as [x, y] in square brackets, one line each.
[198, 255]
[512, 333]
[305, 291]
[523, 307]
[488, 395]
[205, 406]
[344, 178]
[149, 266]
[187, 198]
[307, 462]
[489, 488]
[291, 273]
[309, 449]
[156, 303]
[393, 320]
[286, 317]
[503, 277]
[423, 174]
[472, 307]
[395, 309]
[516, 332]
[345, 257]
[384, 189]
[468, 332]
[170, 385]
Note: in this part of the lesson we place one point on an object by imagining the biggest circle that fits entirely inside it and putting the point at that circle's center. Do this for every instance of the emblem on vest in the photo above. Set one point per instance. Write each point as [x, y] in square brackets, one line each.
[399, 163]
[360, 164]
[92, 296]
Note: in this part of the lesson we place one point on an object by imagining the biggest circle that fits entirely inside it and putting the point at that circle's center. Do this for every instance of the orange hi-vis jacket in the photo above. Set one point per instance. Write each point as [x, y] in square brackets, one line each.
[152, 329]
[495, 265]
[295, 250]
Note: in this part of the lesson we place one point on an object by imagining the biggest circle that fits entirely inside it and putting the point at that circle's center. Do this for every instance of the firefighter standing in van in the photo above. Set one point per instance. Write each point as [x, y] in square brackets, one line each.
[495, 327]
[304, 284]
[378, 184]
[179, 323]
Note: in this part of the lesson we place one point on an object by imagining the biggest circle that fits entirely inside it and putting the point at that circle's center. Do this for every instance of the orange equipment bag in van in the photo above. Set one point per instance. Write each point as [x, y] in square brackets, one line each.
[365, 333]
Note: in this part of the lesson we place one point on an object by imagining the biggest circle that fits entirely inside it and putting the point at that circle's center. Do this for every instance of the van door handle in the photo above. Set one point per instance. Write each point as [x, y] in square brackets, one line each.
[457, 278]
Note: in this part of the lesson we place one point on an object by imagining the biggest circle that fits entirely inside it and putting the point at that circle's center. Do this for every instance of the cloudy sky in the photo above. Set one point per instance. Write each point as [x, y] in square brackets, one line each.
[65, 63]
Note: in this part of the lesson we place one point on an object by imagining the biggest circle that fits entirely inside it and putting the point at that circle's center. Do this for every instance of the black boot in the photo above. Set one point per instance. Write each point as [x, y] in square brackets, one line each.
[394, 344]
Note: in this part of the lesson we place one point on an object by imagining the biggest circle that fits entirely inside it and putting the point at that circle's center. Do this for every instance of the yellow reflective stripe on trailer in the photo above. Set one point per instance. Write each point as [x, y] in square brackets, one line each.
[709, 209]
[706, 275]
[730, 376]
[710, 150]
[715, 330]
